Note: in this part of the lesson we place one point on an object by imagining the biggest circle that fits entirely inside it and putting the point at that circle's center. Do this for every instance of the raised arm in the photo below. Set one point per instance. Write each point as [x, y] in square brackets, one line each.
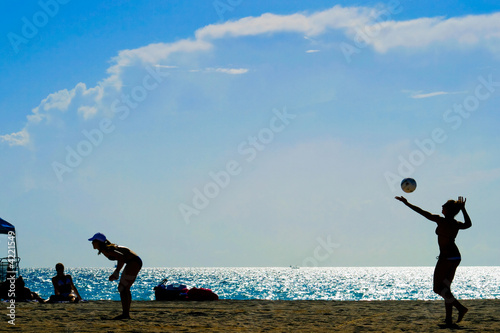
[419, 210]
[467, 222]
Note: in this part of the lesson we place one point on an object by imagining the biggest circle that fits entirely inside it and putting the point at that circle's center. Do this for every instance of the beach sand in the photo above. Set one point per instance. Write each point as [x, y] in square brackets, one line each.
[251, 316]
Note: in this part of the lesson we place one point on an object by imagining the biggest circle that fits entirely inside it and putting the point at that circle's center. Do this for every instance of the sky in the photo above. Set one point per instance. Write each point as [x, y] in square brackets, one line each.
[248, 133]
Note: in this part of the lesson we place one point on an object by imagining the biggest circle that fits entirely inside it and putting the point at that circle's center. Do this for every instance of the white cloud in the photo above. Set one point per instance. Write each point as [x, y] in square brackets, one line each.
[365, 25]
[166, 66]
[58, 101]
[233, 71]
[433, 94]
[334, 18]
[419, 33]
[87, 112]
[20, 138]
[382, 36]
[150, 54]
[437, 93]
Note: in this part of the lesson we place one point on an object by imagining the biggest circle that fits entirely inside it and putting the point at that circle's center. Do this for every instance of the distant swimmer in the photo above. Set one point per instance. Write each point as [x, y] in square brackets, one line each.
[449, 255]
[124, 256]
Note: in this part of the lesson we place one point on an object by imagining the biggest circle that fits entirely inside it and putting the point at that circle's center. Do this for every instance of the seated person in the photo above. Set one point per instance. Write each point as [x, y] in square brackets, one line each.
[18, 291]
[64, 289]
[23, 293]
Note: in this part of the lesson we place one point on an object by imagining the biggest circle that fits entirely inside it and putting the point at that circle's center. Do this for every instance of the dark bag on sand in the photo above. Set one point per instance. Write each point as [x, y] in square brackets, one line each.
[171, 292]
[201, 294]
[179, 292]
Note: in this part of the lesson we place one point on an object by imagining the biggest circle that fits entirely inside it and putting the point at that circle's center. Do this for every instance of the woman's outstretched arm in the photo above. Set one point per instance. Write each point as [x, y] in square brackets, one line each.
[419, 210]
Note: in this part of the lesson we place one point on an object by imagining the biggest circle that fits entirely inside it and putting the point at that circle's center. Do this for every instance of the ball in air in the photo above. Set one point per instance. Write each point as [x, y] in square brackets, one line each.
[408, 185]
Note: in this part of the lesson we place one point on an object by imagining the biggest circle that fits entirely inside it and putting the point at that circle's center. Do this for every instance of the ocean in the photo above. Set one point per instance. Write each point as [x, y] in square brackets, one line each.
[281, 283]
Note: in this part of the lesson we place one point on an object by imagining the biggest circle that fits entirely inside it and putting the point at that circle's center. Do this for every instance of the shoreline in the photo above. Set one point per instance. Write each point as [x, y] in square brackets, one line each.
[250, 316]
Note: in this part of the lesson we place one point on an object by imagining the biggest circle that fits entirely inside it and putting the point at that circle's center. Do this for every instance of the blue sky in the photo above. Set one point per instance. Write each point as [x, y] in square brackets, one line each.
[248, 133]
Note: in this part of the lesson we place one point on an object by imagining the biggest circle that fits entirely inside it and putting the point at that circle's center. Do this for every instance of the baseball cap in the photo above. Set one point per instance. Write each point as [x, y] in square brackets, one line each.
[98, 236]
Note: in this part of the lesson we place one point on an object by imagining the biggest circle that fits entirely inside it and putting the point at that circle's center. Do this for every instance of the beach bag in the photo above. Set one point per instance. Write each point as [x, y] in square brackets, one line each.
[201, 294]
[171, 292]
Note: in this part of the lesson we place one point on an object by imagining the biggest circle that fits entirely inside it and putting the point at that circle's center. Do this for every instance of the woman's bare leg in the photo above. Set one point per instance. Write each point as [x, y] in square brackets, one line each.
[127, 279]
[444, 273]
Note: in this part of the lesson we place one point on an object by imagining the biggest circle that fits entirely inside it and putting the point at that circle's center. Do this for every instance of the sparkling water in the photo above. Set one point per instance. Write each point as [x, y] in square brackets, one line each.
[281, 283]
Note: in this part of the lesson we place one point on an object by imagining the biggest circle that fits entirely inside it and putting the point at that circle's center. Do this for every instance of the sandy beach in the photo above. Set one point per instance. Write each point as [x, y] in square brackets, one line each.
[251, 316]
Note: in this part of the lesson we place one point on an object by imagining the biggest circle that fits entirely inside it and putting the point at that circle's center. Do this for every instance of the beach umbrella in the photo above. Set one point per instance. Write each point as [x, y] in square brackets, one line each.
[10, 263]
[5, 227]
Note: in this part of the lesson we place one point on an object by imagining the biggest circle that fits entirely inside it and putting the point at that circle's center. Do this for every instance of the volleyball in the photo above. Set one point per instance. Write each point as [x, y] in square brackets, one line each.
[408, 185]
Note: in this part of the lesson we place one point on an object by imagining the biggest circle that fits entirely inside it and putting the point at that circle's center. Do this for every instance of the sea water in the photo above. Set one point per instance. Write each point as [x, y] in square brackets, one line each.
[281, 283]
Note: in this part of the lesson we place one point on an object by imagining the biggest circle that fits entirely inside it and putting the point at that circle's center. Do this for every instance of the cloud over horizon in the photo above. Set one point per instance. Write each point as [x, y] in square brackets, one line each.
[363, 24]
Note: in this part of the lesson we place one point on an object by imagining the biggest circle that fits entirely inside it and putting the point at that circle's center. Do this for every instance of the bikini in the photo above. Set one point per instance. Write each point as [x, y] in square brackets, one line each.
[455, 257]
[64, 286]
[134, 259]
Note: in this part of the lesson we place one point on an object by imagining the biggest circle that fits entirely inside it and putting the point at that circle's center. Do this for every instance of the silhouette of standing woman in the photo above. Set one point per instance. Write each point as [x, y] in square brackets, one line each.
[449, 255]
[125, 257]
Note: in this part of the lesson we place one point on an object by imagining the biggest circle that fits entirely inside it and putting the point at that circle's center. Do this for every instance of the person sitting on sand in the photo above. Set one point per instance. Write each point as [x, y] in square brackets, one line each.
[64, 289]
[19, 292]
[124, 256]
[449, 255]
[23, 293]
